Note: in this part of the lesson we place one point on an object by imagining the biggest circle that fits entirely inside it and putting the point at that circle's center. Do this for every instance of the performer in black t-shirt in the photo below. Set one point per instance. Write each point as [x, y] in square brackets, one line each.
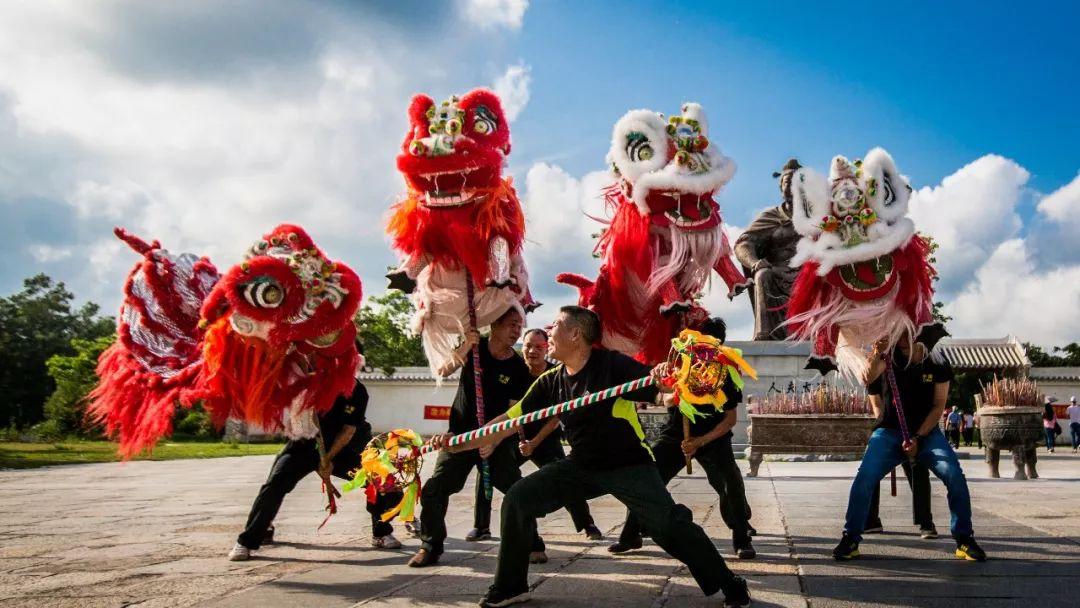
[710, 445]
[540, 442]
[608, 455]
[505, 378]
[910, 381]
[345, 432]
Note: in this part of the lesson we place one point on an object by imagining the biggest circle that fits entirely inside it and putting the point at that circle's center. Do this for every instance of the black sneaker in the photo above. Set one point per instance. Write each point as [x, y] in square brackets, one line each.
[967, 548]
[848, 549]
[478, 534]
[268, 536]
[874, 527]
[495, 598]
[928, 532]
[738, 596]
[593, 533]
[622, 546]
[744, 549]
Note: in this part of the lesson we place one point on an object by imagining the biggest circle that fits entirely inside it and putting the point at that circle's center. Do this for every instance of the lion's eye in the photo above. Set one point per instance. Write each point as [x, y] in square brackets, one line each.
[263, 292]
[486, 123]
[638, 147]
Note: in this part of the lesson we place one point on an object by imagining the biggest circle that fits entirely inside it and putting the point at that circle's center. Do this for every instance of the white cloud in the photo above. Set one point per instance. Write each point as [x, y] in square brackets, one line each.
[1063, 205]
[1008, 296]
[513, 88]
[49, 253]
[206, 164]
[487, 14]
[969, 214]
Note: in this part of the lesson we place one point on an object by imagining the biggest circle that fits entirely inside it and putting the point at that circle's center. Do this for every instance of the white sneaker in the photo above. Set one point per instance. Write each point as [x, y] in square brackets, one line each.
[386, 542]
[239, 553]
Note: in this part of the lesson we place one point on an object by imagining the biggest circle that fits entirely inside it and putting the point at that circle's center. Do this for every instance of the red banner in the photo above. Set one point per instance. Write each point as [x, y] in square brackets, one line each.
[436, 412]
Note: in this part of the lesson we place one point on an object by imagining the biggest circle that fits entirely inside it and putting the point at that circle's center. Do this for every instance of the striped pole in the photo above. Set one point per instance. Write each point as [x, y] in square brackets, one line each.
[548, 412]
[478, 384]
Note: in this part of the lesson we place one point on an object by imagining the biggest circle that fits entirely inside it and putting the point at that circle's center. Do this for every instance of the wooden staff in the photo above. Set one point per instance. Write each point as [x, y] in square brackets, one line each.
[686, 437]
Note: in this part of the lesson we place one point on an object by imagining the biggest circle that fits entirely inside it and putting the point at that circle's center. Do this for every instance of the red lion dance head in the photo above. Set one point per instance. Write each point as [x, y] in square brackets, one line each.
[275, 341]
[460, 218]
[279, 334]
[665, 236]
[865, 274]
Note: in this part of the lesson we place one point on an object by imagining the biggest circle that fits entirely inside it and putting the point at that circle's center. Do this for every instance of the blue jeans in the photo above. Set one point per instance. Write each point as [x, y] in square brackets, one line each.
[1049, 438]
[1074, 428]
[884, 452]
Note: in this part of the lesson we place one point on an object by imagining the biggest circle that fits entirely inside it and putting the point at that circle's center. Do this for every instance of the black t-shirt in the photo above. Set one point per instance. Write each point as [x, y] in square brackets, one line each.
[915, 383]
[351, 411]
[606, 434]
[710, 417]
[533, 428]
[504, 380]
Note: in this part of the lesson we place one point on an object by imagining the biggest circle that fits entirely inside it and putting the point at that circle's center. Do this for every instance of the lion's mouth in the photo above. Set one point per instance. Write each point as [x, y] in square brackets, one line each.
[684, 210]
[453, 188]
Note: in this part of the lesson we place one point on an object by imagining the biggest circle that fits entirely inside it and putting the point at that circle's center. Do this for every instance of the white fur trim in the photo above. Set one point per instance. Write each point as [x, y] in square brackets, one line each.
[829, 253]
[879, 165]
[810, 195]
[650, 124]
[660, 172]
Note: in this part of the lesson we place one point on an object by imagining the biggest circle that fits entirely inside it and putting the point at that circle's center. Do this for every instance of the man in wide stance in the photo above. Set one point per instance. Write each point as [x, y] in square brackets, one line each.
[921, 383]
[607, 456]
[710, 445]
[540, 442]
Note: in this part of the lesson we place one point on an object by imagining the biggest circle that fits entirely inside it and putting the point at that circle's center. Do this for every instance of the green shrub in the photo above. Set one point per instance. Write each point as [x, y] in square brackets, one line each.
[49, 430]
[196, 424]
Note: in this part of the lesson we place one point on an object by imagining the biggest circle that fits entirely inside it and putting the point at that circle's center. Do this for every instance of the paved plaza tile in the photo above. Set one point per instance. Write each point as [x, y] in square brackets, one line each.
[155, 534]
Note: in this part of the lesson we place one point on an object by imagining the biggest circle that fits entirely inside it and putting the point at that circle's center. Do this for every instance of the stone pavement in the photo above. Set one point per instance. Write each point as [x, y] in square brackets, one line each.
[154, 534]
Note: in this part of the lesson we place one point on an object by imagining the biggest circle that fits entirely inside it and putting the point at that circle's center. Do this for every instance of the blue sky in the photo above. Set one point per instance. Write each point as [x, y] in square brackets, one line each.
[937, 86]
[205, 124]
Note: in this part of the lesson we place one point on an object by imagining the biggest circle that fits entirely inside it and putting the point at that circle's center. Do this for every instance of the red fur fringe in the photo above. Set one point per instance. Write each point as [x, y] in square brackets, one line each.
[459, 235]
[134, 405]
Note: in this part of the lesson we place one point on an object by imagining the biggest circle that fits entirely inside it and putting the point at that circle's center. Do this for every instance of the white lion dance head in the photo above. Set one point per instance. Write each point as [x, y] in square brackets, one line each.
[865, 274]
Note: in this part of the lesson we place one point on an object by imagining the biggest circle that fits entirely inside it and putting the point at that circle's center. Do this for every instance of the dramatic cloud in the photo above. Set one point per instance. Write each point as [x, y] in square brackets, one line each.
[1009, 296]
[998, 275]
[513, 88]
[204, 126]
[487, 14]
[1063, 205]
[969, 214]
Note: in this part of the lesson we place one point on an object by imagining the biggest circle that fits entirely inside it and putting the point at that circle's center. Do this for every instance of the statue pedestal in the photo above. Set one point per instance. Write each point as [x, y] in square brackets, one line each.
[778, 364]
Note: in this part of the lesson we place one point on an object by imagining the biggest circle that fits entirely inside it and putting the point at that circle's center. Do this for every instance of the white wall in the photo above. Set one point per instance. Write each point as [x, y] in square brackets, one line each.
[400, 404]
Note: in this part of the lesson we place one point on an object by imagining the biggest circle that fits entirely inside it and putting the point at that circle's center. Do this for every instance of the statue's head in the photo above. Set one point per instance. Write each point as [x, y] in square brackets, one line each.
[785, 174]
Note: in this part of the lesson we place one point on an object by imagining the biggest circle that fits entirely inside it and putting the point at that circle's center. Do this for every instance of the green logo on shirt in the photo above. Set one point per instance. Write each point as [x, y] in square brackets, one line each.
[504, 379]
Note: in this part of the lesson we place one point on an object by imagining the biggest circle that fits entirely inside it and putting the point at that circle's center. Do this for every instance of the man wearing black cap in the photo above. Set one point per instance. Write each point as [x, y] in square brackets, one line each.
[765, 249]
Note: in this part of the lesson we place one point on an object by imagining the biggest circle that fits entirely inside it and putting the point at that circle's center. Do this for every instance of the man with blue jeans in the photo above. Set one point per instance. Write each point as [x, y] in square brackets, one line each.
[922, 382]
[1073, 411]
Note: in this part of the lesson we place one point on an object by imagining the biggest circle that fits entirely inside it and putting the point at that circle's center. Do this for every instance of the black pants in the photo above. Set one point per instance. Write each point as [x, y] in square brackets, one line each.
[969, 434]
[918, 478]
[295, 461]
[549, 451]
[451, 473]
[718, 461]
[954, 437]
[639, 487]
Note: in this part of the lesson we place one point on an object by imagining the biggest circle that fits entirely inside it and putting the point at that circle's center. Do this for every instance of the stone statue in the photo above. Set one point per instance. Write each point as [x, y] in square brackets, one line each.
[765, 250]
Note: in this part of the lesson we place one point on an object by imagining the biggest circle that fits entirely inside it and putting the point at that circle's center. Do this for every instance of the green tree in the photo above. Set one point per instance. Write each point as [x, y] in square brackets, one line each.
[75, 375]
[933, 246]
[1072, 354]
[383, 324]
[35, 324]
[1041, 358]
